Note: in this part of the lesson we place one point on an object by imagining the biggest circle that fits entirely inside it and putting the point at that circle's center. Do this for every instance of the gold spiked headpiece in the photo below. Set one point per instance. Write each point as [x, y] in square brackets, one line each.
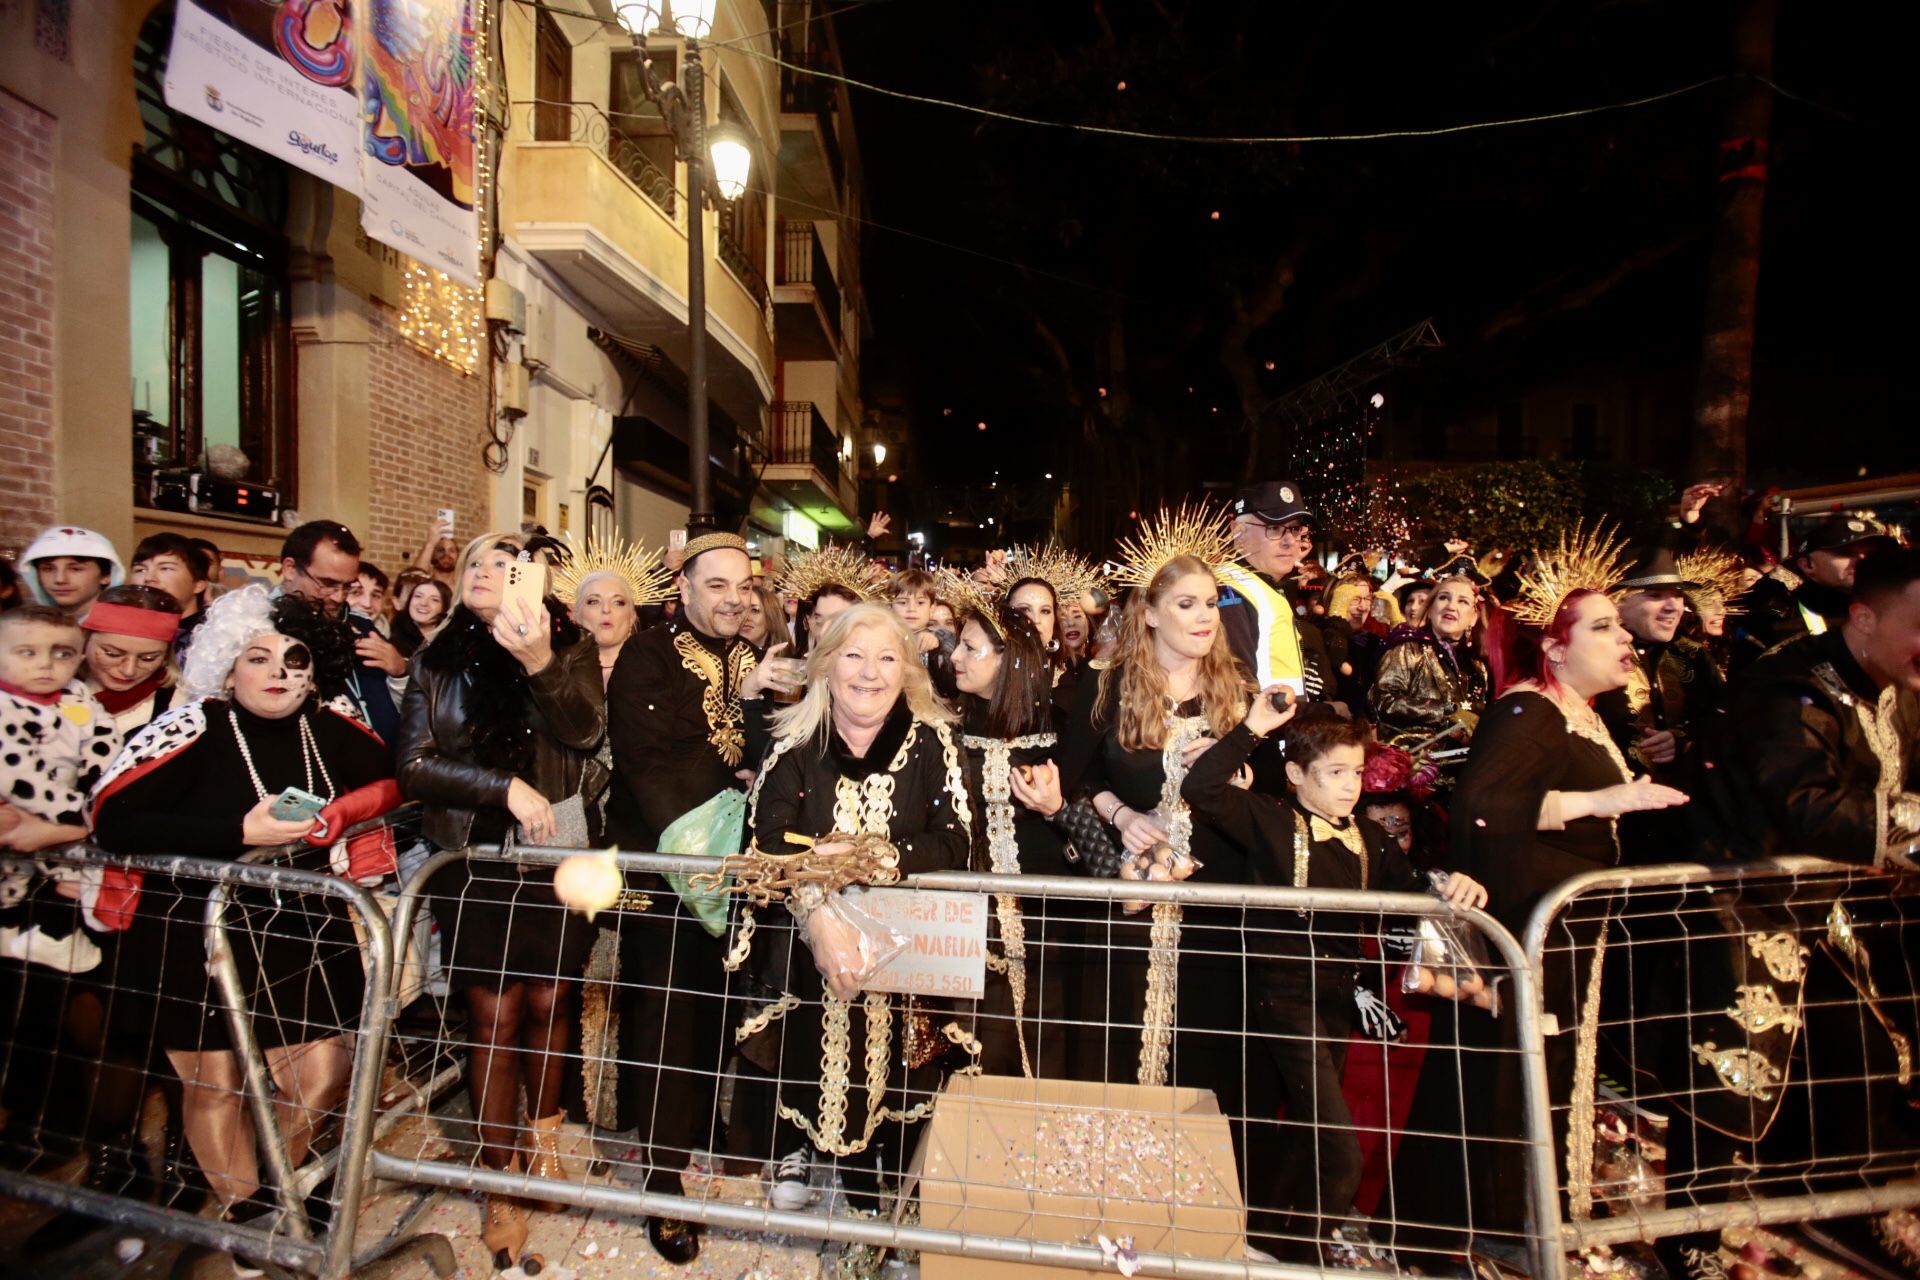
[648, 581]
[1587, 559]
[834, 565]
[1069, 574]
[964, 592]
[1199, 530]
[1721, 577]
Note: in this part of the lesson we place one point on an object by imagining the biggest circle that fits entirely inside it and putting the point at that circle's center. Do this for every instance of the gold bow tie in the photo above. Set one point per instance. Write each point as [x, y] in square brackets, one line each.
[1318, 829]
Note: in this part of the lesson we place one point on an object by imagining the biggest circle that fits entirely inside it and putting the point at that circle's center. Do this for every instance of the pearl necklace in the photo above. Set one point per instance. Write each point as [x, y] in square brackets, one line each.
[309, 757]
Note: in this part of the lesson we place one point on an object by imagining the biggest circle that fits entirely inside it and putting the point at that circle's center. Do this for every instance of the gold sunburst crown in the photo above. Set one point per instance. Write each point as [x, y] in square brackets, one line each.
[649, 581]
[834, 565]
[1070, 574]
[1720, 578]
[966, 593]
[1198, 529]
[1586, 559]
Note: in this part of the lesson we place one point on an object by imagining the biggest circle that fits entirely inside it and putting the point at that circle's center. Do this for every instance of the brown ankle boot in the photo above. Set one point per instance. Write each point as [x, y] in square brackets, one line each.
[543, 1136]
[503, 1228]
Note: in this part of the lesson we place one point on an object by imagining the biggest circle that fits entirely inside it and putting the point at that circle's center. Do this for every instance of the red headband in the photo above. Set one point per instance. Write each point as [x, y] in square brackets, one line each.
[131, 620]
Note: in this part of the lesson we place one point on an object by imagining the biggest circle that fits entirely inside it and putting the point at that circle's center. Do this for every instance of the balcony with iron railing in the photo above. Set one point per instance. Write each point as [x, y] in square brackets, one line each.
[807, 97]
[597, 205]
[807, 301]
[807, 463]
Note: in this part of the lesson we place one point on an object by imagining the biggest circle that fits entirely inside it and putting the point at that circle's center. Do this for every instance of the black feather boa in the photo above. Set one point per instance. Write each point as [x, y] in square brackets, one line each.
[500, 714]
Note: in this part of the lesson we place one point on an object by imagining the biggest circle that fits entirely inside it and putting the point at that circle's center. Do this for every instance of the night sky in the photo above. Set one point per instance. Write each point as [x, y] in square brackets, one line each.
[1016, 273]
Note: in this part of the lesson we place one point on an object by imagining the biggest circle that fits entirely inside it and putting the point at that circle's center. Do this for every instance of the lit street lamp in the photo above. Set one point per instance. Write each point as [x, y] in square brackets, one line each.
[684, 107]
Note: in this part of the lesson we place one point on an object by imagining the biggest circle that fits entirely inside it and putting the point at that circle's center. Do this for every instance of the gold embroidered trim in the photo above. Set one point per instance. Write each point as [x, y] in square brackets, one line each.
[1156, 1032]
[1741, 1071]
[1759, 1008]
[1782, 953]
[1842, 938]
[1580, 1122]
[720, 700]
[996, 789]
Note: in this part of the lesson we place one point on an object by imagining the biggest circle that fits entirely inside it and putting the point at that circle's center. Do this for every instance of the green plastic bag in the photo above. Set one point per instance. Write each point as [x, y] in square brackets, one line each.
[710, 830]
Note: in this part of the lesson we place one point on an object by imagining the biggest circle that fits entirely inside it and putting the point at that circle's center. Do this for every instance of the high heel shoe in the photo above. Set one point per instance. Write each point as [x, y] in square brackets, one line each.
[503, 1229]
[544, 1162]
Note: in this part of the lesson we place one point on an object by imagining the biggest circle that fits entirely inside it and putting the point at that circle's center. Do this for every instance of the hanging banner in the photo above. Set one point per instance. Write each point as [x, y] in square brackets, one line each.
[376, 98]
[279, 77]
[417, 116]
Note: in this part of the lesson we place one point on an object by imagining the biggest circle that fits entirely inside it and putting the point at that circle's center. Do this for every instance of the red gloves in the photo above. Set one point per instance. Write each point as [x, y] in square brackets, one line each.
[371, 854]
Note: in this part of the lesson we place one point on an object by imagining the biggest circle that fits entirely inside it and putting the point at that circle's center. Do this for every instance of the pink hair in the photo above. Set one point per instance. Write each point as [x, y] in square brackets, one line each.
[1517, 652]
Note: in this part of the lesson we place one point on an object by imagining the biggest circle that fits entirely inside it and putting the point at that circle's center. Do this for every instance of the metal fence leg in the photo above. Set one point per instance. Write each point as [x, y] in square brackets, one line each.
[226, 972]
[363, 1089]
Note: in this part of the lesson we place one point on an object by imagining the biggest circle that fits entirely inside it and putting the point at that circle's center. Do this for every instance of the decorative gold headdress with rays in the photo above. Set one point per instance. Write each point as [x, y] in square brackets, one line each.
[1199, 530]
[1720, 578]
[649, 581]
[966, 593]
[834, 565]
[1586, 559]
[1070, 574]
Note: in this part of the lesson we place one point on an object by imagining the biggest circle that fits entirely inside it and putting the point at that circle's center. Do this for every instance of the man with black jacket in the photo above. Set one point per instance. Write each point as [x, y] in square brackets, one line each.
[1808, 596]
[1819, 751]
[677, 729]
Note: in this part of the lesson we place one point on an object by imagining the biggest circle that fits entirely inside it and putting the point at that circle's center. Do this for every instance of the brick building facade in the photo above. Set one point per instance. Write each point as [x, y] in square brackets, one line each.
[26, 320]
[367, 428]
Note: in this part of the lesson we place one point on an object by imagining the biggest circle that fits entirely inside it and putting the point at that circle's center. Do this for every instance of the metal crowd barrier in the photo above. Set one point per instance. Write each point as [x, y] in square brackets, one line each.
[1741, 1044]
[711, 1168]
[1614, 1039]
[251, 949]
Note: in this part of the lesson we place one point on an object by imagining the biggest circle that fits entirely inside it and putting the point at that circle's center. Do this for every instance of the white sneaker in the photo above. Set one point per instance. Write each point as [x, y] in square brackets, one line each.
[74, 953]
[790, 1190]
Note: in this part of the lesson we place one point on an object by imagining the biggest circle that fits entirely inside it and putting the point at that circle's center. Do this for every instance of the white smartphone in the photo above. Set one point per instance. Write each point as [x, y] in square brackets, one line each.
[526, 581]
[444, 516]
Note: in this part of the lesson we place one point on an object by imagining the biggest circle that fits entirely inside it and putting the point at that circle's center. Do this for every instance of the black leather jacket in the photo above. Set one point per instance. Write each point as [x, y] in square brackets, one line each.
[436, 764]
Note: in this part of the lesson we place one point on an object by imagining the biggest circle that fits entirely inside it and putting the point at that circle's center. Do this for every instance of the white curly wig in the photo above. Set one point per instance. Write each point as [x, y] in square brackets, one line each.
[233, 622]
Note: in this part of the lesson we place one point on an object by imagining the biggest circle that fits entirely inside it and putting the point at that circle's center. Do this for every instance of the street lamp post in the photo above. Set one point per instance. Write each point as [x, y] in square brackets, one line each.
[684, 107]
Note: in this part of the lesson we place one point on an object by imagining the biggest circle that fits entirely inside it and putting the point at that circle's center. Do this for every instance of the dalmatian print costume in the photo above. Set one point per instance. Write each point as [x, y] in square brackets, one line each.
[51, 755]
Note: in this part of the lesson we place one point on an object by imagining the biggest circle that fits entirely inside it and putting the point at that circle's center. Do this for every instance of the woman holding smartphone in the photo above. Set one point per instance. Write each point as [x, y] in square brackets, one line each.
[498, 735]
[212, 778]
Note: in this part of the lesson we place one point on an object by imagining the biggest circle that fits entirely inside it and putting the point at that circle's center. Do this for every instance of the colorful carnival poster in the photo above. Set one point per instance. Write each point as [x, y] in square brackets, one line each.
[279, 77]
[417, 117]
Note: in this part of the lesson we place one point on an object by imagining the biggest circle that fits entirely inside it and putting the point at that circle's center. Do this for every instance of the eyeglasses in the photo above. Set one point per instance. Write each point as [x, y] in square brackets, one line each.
[326, 585]
[1285, 533]
[1394, 826]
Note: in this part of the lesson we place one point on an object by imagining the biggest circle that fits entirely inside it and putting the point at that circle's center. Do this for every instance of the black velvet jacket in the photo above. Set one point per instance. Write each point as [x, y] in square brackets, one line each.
[1793, 770]
[664, 759]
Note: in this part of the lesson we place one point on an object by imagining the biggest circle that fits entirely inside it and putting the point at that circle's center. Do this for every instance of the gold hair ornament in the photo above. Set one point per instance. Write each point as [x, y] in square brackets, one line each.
[1585, 560]
[1720, 578]
[834, 565]
[1199, 530]
[648, 581]
[968, 594]
[1069, 574]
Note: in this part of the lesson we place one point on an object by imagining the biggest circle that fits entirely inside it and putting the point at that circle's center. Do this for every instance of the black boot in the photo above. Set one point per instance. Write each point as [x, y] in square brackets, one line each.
[675, 1239]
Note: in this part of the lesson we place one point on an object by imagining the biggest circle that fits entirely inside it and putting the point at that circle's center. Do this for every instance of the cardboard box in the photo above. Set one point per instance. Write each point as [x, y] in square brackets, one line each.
[1068, 1161]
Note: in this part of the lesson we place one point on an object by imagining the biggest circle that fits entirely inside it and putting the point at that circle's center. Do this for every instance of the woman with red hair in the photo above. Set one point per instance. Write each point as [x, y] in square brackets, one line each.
[1536, 805]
